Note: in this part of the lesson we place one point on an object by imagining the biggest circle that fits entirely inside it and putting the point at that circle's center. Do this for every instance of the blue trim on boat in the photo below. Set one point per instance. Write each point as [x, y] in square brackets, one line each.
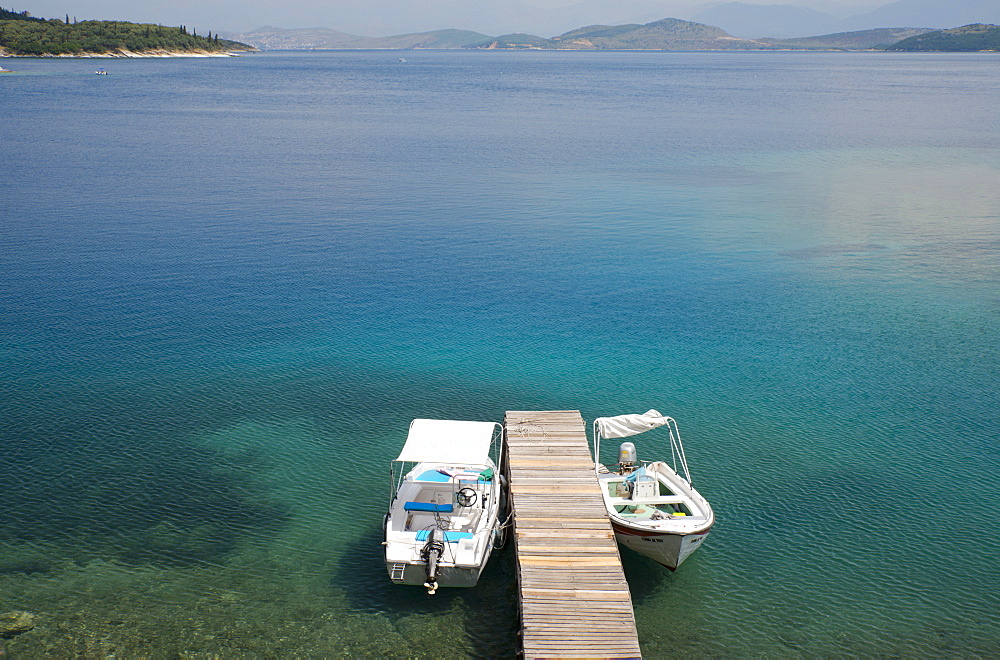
[427, 506]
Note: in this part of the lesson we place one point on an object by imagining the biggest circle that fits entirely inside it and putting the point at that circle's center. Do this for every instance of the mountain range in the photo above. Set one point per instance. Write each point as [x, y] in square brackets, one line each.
[743, 19]
[665, 34]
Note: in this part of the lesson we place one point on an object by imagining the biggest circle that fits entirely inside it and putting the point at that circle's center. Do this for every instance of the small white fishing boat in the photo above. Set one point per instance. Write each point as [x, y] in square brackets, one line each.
[101, 72]
[447, 510]
[653, 509]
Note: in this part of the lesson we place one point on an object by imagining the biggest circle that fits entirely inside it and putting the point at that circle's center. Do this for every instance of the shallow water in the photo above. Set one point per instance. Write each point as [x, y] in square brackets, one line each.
[230, 284]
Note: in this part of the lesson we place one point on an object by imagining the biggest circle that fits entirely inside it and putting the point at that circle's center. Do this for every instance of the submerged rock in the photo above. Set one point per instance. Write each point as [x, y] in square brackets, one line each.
[15, 623]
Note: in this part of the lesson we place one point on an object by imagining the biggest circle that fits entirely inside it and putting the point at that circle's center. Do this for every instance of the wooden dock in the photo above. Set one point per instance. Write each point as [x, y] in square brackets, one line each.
[575, 602]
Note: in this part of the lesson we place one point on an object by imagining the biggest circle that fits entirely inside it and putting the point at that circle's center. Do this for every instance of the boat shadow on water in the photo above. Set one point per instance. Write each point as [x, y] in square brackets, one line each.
[488, 610]
[138, 509]
[645, 577]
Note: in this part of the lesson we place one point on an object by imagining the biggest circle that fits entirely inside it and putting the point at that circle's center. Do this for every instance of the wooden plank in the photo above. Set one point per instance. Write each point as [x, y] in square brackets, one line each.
[575, 601]
[549, 521]
[570, 561]
[537, 478]
[528, 461]
[561, 533]
[599, 641]
[543, 621]
[579, 647]
[591, 594]
[548, 488]
[579, 552]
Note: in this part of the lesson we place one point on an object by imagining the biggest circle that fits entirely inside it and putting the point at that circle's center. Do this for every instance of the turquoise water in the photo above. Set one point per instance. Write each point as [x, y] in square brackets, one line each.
[228, 285]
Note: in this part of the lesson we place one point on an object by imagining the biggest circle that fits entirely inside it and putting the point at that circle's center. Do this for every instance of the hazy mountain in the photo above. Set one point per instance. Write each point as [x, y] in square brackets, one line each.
[616, 12]
[928, 13]
[796, 18]
[851, 40]
[751, 21]
[839, 10]
[736, 21]
[665, 34]
[391, 17]
[275, 38]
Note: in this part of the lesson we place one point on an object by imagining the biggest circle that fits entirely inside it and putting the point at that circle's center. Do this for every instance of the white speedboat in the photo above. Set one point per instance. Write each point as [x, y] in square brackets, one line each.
[653, 509]
[447, 509]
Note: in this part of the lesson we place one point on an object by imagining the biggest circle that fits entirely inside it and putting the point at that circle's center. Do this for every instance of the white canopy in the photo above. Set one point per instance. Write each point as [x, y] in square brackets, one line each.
[447, 441]
[623, 426]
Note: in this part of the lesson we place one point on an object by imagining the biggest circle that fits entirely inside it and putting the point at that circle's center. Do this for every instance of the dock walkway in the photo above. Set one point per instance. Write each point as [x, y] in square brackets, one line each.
[574, 598]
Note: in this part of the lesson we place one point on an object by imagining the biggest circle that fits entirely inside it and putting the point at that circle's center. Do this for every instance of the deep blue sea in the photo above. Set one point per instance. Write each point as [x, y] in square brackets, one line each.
[227, 285]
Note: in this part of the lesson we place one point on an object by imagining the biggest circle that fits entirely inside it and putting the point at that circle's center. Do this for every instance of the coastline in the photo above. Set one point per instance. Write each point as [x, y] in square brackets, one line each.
[145, 53]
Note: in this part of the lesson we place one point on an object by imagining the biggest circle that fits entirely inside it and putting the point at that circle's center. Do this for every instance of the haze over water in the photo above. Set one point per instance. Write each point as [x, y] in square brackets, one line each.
[228, 286]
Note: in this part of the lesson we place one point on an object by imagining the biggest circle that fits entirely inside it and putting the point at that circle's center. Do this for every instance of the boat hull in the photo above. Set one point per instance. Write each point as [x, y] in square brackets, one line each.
[666, 548]
[448, 575]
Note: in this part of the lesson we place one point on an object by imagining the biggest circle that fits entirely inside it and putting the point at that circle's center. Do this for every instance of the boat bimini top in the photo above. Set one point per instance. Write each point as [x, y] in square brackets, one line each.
[448, 441]
[623, 426]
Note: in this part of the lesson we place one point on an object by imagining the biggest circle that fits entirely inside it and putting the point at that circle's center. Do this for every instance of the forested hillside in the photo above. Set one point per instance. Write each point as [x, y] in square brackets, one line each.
[967, 38]
[21, 34]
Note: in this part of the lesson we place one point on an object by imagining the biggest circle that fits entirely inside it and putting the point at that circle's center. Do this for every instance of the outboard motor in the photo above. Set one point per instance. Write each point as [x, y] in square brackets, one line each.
[431, 554]
[627, 457]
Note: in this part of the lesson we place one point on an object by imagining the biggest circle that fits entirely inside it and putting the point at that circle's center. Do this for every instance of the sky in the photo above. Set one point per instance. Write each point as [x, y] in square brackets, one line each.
[385, 17]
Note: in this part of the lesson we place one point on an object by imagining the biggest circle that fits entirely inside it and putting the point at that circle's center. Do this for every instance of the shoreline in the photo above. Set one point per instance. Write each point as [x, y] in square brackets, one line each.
[132, 54]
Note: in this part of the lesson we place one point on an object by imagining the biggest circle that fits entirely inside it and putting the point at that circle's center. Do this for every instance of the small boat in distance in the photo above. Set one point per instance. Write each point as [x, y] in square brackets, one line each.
[401, 60]
[447, 510]
[653, 509]
[101, 72]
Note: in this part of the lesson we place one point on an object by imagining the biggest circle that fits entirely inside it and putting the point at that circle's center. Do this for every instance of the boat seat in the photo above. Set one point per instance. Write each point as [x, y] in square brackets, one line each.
[427, 506]
[449, 537]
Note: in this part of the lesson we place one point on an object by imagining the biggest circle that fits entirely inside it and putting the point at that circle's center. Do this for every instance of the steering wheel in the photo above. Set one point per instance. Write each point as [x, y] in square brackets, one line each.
[466, 497]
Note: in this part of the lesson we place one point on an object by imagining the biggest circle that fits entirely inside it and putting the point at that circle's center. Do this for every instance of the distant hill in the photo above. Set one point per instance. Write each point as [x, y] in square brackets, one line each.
[861, 40]
[752, 21]
[666, 34]
[974, 37]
